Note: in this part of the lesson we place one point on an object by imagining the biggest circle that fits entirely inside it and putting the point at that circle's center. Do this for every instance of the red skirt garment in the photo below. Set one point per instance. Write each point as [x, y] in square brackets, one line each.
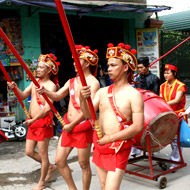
[41, 129]
[107, 159]
[77, 139]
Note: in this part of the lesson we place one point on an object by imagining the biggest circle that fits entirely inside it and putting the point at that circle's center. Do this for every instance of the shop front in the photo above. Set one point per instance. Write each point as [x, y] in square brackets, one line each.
[9, 106]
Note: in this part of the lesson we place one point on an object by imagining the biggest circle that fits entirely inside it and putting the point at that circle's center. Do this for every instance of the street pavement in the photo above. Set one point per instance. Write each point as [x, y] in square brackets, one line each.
[19, 172]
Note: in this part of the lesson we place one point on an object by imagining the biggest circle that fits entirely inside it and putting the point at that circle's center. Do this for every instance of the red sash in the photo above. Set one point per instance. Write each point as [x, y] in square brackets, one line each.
[45, 121]
[111, 97]
[38, 98]
[81, 127]
[120, 144]
[72, 94]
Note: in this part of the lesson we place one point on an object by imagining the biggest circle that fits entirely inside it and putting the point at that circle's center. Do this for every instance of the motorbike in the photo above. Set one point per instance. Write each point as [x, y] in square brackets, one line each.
[14, 131]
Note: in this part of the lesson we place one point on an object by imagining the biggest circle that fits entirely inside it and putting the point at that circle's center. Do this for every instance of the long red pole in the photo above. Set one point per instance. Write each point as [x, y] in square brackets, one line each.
[2, 137]
[167, 53]
[170, 51]
[7, 41]
[14, 90]
[73, 50]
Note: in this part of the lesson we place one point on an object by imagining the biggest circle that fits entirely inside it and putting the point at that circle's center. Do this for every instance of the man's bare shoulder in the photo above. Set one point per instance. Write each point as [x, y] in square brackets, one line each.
[92, 78]
[134, 94]
[132, 90]
[49, 84]
[103, 91]
[92, 81]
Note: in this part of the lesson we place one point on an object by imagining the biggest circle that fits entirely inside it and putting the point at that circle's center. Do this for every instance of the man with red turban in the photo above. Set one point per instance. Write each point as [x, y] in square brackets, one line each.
[40, 126]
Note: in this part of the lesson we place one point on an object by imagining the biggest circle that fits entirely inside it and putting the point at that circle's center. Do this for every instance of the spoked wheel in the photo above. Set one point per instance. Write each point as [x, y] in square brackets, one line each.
[162, 182]
[20, 132]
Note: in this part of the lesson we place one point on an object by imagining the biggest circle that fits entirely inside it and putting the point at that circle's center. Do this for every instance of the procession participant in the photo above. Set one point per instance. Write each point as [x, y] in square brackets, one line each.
[173, 91]
[77, 133]
[121, 116]
[40, 126]
[145, 80]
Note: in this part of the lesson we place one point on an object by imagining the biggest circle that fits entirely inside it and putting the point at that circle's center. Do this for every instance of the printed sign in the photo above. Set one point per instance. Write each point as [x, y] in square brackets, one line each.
[148, 46]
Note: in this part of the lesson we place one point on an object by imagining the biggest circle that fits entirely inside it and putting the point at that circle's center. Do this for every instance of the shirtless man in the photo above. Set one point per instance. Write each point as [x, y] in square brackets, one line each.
[120, 116]
[40, 126]
[77, 132]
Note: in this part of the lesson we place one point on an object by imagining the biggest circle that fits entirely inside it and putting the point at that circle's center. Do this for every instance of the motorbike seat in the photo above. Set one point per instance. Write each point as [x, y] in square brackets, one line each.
[8, 121]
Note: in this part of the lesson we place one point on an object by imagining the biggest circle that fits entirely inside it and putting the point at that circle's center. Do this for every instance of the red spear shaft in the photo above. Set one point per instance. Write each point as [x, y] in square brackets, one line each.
[14, 90]
[7, 41]
[170, 51]
[73, 50]
[167, 53]
[2, 137]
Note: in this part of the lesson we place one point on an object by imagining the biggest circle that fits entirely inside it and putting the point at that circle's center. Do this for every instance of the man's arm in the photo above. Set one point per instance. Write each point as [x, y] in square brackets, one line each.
[55, 96]
[177, 99]
[23, 94]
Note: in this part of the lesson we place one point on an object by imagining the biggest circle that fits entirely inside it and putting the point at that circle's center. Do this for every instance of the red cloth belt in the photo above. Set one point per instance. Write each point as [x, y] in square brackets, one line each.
[81, 127]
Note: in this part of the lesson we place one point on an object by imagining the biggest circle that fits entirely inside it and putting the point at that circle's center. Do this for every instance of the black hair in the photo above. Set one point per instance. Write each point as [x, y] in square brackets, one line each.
[144, 61]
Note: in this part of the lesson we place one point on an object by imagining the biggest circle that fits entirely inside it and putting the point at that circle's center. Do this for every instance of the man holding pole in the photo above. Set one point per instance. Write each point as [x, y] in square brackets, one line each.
[41, 118]
[77, 133]
[120, 116]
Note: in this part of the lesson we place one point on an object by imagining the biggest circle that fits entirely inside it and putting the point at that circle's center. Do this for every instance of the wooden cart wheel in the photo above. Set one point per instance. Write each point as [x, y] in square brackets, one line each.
[162, 182]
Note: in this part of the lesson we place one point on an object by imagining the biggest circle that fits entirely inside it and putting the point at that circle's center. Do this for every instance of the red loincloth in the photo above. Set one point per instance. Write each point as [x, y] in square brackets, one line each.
[107, 158]
[77, 139]
[2, 137]
[41, 129]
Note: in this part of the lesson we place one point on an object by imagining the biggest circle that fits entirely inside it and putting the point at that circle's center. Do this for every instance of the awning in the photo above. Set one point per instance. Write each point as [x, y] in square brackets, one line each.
[85, 7]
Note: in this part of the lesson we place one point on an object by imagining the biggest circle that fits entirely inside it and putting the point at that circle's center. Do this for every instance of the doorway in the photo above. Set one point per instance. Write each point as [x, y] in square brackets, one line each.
[95, 32]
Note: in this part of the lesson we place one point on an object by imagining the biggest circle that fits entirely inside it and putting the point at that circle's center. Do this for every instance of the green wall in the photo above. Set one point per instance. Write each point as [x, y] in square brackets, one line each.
[31, 40]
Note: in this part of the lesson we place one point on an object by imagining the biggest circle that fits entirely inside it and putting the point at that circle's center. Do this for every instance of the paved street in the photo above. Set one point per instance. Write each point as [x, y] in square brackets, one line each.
[19, 172]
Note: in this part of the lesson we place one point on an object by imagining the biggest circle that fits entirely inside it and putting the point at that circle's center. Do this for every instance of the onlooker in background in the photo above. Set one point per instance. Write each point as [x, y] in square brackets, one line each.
[173, 91]
[146, 80]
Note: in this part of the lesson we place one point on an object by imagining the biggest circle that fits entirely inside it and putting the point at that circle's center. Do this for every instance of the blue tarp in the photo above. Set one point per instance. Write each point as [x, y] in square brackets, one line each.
[85, 9]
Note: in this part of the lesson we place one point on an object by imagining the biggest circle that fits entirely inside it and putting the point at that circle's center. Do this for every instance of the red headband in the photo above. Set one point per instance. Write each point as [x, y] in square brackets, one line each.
[172, 67]
[123, 52]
